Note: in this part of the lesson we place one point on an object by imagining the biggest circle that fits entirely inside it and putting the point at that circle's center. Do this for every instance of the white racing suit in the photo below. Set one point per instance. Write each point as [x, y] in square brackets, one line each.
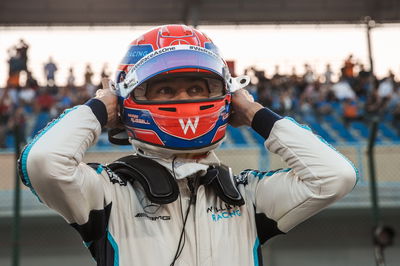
[120, 226]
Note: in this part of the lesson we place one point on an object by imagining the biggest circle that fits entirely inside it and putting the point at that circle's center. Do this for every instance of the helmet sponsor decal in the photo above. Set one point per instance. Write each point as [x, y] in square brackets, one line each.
[135, 53]
[189, 124]
[170, 49]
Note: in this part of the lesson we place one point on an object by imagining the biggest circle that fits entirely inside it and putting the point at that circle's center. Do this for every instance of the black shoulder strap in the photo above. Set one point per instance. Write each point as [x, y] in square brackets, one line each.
[158, 183]
[224, 184]
[118, 136]
[161, 187]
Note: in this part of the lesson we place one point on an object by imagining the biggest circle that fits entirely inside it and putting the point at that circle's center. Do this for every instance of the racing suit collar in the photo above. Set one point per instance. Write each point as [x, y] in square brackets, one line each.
[188, 167]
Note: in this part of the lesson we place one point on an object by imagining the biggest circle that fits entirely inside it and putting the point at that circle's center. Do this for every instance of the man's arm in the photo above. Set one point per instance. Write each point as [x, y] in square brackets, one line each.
[318, 174]
[51, 165]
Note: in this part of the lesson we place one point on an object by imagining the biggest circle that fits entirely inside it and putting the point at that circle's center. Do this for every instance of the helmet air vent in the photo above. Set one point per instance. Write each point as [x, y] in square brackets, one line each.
[205, 107]
[168, 109]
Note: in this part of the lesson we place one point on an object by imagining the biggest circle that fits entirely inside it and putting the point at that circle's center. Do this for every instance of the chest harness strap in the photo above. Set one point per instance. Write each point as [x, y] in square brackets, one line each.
[161, 187]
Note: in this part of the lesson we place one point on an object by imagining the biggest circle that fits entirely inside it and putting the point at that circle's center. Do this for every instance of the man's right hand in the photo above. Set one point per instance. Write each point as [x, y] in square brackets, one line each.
[243, 108]
[110, 100]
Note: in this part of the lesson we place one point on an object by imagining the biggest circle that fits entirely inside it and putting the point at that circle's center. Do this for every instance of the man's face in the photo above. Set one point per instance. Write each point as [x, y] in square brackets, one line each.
[177, 89]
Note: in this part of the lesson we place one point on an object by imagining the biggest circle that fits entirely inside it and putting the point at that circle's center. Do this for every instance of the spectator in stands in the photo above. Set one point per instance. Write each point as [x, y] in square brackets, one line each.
[88, 74]
[26, 98]
[263, 87]
[322, 103]
[89, 86]
[65, 100]
[31, 82]
[15, 66]
[105, 73]
[363, 83]
[386, 89]
[17, 124]
[50, 68]
[277, 75]
[286, 103]
[328, 74]
[396, 118]
[350, 111]
[22, 52]
[307, 110]
[308, 76]
[44, 109]
[343, 90]
[293, 74]
[82, 95]
[5, 111]
[71, 78]
[348, 69]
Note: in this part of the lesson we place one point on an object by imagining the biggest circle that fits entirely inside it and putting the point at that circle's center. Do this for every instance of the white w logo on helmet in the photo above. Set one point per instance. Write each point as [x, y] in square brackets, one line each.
[188, 124]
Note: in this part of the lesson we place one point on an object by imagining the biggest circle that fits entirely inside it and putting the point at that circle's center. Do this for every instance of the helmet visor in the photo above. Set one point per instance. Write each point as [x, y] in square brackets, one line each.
[196, 84]
[171, 58]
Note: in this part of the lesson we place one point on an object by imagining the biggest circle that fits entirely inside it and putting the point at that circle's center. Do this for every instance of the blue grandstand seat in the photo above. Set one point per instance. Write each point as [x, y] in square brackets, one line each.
[41, 122]
[329, 118]
[319, 130]
[388, 116]
[361, 128]
[257, 138]
[388, 132]
[9, 141]
[337, 107]
[236, 135]
[340, 128]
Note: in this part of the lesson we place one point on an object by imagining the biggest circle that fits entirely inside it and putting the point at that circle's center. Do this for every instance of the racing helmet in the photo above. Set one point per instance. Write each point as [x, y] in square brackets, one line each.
[173, 127]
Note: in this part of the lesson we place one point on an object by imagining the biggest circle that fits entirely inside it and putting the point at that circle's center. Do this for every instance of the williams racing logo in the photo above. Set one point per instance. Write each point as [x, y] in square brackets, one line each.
[189, 124]
[223, 212]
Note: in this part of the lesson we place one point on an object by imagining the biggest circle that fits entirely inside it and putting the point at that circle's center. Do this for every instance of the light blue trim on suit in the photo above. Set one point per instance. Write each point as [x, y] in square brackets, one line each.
[25, 153]
[99, 169]
[115, 247]
[329, 145]
[261, 175]
[255, 252]
[87, 244]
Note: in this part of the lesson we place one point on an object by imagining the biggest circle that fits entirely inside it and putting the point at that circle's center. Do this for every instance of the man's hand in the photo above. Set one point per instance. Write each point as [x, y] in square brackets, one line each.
[243, 108]
[108, 97]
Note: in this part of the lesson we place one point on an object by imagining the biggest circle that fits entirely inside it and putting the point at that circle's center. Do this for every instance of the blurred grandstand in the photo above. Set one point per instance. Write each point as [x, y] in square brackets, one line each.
[339, 112]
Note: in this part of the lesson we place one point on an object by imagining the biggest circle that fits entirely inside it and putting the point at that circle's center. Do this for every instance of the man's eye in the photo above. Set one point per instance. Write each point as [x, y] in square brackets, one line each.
[196, 90]
[165, 91]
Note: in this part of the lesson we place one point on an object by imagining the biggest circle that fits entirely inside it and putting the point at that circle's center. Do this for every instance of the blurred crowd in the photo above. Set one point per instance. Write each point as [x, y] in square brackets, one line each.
[26, 107]
[354, 94]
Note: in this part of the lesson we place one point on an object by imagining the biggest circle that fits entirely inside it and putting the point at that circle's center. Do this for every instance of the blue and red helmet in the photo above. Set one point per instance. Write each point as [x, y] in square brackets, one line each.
[187, 126]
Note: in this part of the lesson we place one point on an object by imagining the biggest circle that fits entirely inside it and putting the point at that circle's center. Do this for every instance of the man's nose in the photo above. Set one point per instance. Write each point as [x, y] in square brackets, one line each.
[182, 95]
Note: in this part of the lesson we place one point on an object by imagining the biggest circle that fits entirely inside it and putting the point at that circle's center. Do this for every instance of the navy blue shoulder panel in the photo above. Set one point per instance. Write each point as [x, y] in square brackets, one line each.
[95, 235]
[266, 228]
[96, 226]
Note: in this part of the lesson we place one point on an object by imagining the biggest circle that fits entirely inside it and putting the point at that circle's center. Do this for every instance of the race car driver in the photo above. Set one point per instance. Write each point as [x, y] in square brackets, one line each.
[173, 202]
